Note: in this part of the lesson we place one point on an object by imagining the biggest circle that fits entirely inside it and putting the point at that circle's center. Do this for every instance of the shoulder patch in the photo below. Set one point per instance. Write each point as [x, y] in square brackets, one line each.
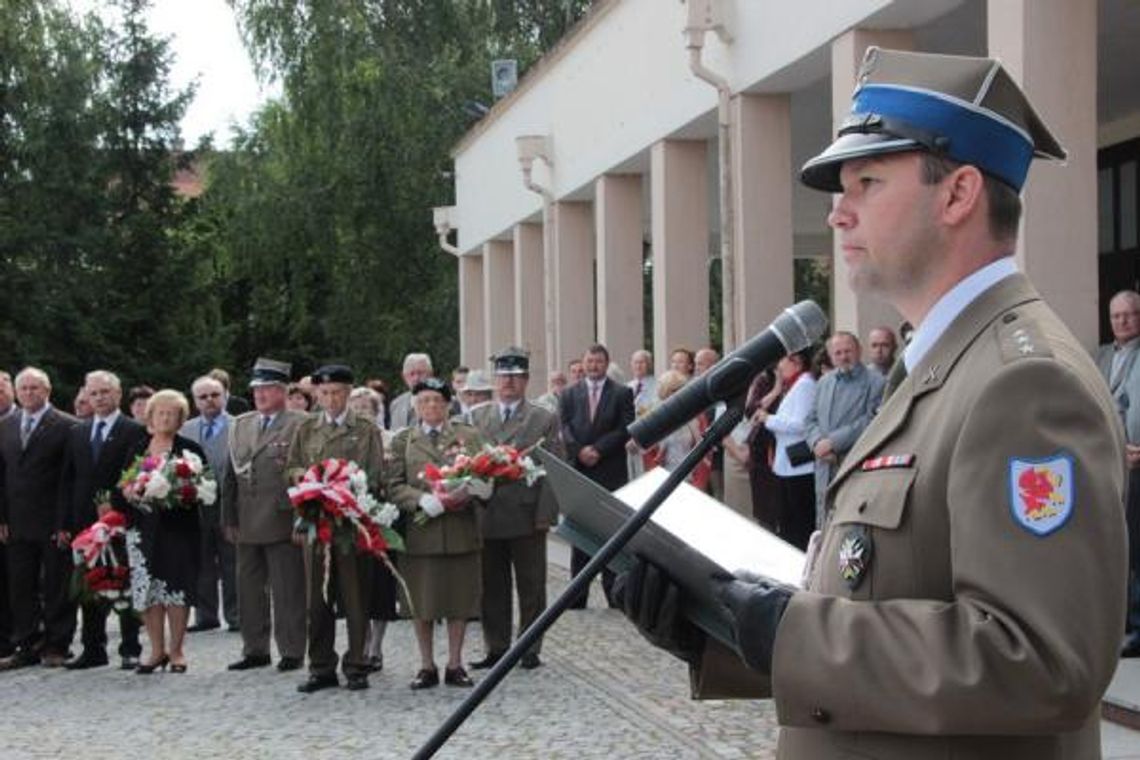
[1041, 492]
[1020, 337]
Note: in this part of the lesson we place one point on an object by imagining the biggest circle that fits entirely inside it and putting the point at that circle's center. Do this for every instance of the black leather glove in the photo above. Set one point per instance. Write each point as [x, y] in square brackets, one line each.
[756, 605]
[652, 602]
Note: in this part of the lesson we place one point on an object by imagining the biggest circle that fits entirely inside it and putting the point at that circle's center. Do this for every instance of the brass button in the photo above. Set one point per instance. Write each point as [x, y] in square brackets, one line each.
[819, 715]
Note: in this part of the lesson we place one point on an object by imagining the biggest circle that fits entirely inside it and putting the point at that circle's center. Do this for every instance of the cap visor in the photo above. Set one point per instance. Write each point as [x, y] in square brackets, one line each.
[822, 172]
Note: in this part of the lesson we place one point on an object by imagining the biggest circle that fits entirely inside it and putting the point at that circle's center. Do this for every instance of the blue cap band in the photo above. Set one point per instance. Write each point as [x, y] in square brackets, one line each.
[965, 132]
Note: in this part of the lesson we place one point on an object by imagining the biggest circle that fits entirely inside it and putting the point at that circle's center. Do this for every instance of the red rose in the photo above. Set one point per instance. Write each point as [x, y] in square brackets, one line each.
[182, 469]
[431, 472]
[324, 532]
[188, 493]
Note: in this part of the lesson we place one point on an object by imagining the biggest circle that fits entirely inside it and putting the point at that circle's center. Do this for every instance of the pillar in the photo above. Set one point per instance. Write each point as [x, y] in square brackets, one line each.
[762, 229]
[529, 327]
[574, 277]
[471, 340]
[679, 198]
[617, 216]
[1057, 246]
[498, 297]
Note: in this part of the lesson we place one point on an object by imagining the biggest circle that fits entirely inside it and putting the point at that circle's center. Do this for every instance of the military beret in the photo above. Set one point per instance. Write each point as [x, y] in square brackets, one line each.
[964, 108]
[432, 384]
[270, 372]
[512, 361]
[333, 373]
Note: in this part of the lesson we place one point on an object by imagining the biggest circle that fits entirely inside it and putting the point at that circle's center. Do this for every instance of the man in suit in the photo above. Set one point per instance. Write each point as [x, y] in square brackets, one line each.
[234, 405]
[32, 447]
[518, 516]
[93, 462]
[845, 401]
[417, 367]
[881, 347]
[258, 519]
[595, 414]
[1117, 364]
[984, 497]
[340, 434]
[210, 430]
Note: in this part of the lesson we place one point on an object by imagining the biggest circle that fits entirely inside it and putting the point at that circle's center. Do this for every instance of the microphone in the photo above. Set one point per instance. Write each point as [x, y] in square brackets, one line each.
[794, 330]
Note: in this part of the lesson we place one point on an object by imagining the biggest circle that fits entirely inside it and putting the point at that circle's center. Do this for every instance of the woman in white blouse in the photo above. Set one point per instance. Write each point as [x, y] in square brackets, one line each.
[797, 481]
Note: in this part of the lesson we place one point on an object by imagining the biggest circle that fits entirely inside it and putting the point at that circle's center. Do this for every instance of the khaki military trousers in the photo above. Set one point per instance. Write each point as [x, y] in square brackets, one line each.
[348, 588]
[526, 556]
[271, 573]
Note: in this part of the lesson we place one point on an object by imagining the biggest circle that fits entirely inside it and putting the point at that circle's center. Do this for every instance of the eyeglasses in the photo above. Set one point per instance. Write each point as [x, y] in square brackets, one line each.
[206, 396]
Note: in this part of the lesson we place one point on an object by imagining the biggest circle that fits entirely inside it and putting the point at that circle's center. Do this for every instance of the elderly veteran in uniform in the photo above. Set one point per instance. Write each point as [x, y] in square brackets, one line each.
[518, 516]
[258, 519]
[967, 599]
[441, 561]
[336, 433]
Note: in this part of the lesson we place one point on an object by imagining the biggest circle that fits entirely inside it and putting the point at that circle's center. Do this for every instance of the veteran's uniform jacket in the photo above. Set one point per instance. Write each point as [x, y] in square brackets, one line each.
[412, 449]
[968, 597]
[357, 440]
[254, 497]
[516, 509]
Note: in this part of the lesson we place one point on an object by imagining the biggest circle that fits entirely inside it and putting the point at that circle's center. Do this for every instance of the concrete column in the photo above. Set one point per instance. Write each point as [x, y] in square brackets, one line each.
[856, 312]
[574, 277]
[498, 297]
[679, 191]
[471, 332]
[762, 182]
[529, 328]
[617, 215]
[1057, 247]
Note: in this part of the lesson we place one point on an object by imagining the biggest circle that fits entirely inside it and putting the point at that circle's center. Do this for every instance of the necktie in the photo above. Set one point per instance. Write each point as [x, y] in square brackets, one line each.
[265, 420]
[506, 414]
[433, 434]
[209, 431]
[26, 431]
[595, 396]
[640, 387]
[97, 440]
[894, 379]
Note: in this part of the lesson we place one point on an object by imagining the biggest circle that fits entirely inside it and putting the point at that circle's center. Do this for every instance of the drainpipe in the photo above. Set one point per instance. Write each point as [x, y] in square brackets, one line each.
[441, 216]
[531, 147]
[704, 16]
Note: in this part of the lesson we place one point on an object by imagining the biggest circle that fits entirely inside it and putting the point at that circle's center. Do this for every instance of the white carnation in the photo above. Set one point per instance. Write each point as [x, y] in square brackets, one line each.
[385, 514]
[208, 492]
[157, 487]
[194, 461]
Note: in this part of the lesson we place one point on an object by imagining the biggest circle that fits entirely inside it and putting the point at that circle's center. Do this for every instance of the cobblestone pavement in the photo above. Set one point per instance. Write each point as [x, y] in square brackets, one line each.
[601, 693]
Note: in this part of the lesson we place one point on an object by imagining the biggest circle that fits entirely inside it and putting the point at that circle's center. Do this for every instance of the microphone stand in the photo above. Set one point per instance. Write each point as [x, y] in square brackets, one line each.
[578, 585]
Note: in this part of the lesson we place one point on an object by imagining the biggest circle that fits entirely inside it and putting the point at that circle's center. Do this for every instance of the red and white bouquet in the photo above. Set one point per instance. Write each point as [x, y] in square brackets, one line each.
[333, 506]
[101, 570]
[476, 475]
[168, 482]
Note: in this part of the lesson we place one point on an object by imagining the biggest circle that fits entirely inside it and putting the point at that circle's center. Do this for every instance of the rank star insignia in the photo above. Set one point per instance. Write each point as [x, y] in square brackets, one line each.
[855, 556]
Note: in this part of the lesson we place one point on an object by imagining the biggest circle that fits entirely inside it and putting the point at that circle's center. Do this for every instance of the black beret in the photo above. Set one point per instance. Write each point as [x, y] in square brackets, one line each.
[433, 384]
[333, 373]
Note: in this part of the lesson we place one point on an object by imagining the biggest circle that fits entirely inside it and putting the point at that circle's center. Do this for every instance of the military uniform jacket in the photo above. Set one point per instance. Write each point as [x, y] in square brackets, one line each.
[967, 624]
[412, 449]
[515, 509]
[254, 497]
[358, 440]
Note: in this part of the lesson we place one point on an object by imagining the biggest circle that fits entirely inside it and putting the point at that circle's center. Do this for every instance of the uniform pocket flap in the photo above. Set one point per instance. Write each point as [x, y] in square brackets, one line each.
[874, 498]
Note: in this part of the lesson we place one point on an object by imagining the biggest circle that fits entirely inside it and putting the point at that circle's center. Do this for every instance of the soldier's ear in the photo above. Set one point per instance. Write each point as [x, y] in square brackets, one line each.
[960, 195]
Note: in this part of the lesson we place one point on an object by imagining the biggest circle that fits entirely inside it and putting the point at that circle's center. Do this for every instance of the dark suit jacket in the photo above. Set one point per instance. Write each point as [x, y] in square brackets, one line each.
[608, 432]
[83, 477]
[29, 491]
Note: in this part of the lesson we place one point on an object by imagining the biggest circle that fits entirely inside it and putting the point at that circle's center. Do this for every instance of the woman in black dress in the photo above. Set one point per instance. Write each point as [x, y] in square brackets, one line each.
[163, 544]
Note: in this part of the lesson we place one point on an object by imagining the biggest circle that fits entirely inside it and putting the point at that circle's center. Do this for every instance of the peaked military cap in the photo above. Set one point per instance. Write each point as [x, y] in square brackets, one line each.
[333, 373]
[966, 109]
[511, 361]
[270, 372]
[432, 384]
[477, 382]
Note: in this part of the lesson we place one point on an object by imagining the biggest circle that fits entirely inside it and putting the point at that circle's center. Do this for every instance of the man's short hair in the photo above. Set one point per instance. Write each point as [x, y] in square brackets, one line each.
[107, 377]
[598, 348]
[34, 372]
[412, 359]
[221, 376]
[203, 380]
[844, 334]
[1004, 202]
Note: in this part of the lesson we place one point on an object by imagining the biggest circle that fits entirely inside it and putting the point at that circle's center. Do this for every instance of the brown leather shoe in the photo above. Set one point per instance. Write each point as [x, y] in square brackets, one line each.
[425, 679]
[457, 677]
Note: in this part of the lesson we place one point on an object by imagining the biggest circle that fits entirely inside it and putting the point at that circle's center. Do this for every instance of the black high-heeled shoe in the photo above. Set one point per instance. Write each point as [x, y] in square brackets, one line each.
[148, 668]
[177, 667]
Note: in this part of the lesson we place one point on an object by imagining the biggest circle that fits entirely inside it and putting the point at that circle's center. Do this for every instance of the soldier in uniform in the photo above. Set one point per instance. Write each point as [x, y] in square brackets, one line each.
[518, 516]
[258, 519]
[336, 433]
[967, 599]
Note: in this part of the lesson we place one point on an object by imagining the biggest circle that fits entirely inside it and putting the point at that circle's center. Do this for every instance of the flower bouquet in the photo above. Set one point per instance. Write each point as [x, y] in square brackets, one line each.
[168, 482]
[100, 555]
[477, 475]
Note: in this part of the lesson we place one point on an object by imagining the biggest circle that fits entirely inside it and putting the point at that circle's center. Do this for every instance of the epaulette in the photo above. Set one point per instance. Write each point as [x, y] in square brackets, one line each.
[1020, 337]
